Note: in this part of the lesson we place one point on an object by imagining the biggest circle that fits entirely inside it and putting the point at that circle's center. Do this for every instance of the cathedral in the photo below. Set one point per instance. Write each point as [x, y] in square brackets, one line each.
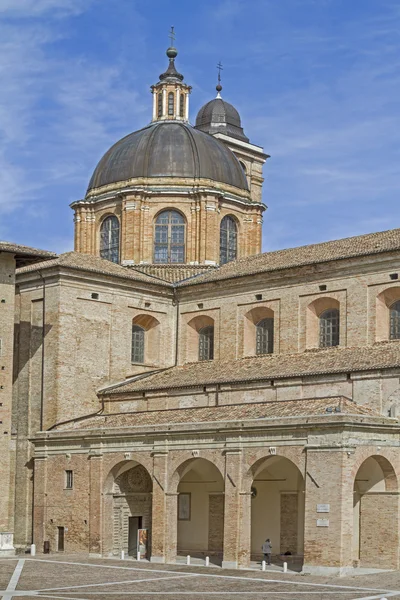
[166, 389]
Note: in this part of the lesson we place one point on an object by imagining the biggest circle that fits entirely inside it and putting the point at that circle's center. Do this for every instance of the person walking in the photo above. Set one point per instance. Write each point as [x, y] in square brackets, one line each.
[267, 550]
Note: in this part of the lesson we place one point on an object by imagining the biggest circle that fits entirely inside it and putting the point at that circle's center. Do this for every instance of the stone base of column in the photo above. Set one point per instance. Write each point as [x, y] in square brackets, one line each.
[6, 544]
[95, 555]
[322, 570]
[157, 559]
[229, 564]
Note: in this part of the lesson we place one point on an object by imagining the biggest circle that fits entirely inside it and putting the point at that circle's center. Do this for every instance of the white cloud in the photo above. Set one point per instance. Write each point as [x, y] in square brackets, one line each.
[35, 8]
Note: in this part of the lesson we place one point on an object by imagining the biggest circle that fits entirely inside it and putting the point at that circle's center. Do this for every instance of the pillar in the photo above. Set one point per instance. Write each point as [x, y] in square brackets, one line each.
[328, 488]
[39, 502]
[159, 508]
[233, 482]
[95, 504]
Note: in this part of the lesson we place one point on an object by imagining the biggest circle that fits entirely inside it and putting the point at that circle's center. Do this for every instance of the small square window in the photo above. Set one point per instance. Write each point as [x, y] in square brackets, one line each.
[394, 276]
[322, 288]
[258, 296]
[200, 305]
[69, 480]
[95, 296]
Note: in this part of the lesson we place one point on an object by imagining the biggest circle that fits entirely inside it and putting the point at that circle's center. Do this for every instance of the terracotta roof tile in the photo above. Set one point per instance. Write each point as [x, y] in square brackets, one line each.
[236, 412]
[93, 264]
[25, 254]
[173, 273]
[271, 366]
[362, 245]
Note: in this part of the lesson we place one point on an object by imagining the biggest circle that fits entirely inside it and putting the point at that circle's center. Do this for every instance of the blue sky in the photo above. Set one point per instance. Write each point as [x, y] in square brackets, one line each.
[317, 83]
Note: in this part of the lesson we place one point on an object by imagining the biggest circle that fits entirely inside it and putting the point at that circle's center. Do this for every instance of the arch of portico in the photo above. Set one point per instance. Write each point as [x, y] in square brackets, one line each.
[127, 508]
[376, 514]
[195, 500]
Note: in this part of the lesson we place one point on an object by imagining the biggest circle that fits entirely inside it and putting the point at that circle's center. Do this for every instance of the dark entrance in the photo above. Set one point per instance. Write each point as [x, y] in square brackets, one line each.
[135, 523]
[60, 544]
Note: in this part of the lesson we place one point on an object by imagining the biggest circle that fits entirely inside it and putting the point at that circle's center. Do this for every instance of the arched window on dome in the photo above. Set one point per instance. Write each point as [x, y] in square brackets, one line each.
[265, 336]
[228, 240]
[109, 239]
[206, 343]
[329, 328]
[395, 321]
[182, 105]
[243, 167]
[138, 334]
[159, 104]
[169, 237]
[171, 104]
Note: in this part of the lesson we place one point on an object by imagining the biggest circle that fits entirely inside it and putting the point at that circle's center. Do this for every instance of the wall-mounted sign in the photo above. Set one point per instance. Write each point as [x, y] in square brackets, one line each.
[323, 508]
[322, 522]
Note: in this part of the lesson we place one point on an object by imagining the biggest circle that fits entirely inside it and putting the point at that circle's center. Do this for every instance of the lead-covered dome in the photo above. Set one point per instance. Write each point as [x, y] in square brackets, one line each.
[220, 116]
[169, 149]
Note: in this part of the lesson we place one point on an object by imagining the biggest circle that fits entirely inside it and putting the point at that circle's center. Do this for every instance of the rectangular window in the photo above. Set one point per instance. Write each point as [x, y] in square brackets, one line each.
[184, 507]
[69, 480]
[60, 541]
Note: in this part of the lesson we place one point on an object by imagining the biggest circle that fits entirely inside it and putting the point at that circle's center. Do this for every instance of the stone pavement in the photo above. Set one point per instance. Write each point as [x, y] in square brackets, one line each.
[80, 578]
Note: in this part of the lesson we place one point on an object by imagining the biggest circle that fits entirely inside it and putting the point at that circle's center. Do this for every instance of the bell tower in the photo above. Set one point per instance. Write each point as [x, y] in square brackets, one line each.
[170, 95]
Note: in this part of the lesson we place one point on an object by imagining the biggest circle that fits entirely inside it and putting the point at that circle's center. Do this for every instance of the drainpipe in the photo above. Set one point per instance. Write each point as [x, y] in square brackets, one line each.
[43, 336]
[175, 302]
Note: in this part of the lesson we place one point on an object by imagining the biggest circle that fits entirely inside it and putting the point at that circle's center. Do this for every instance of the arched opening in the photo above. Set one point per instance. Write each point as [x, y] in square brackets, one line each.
[145, 340]
[228, 240]
[323, 323]
[375, 515]
[128, 510]
[200, 339]
[388, 314]
[169, 237]
[200, 511]
[258, 331]
[171, 104]
[277, 510]
[109, 239]
[159, 104]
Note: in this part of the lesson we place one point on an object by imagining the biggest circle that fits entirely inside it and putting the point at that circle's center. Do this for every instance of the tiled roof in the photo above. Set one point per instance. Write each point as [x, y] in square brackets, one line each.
[173, 273]
[25, 254]
[362, 245]
[93, 264]
[234, 412]
[270, 366]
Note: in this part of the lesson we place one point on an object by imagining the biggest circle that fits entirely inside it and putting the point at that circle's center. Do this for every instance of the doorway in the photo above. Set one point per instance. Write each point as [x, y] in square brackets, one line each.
[135, 523]
[60, 542]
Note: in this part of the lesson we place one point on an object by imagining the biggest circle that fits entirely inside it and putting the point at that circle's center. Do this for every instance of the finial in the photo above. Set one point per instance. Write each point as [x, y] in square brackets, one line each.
[172, 52]
[219, 86]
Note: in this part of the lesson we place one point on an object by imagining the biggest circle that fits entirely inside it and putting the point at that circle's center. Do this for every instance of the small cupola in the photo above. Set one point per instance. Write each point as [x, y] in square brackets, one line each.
[218, 116]
[170, 94]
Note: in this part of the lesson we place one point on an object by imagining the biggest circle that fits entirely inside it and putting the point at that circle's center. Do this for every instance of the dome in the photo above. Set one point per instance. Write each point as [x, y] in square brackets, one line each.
[220, 116]
[169, 149]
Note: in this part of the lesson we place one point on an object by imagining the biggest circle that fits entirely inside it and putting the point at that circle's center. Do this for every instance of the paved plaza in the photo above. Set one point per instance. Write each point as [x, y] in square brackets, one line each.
[80, 578]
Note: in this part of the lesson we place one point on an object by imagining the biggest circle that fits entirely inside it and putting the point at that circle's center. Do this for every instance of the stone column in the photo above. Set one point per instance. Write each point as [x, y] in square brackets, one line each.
[159, 506]
[95, 504]
[39, 502]
[233, 482]
[328, 535]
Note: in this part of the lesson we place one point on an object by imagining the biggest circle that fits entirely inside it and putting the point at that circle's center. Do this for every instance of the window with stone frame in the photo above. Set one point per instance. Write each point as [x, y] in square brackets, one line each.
[109, 239]
[227, 240]
[265, 336]
[138, 334]
[395, 321]
[169, 237]
[159, 104]
[329, 323]
[206, 343]
[69, 479]
[171, 102]
[182, 105]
